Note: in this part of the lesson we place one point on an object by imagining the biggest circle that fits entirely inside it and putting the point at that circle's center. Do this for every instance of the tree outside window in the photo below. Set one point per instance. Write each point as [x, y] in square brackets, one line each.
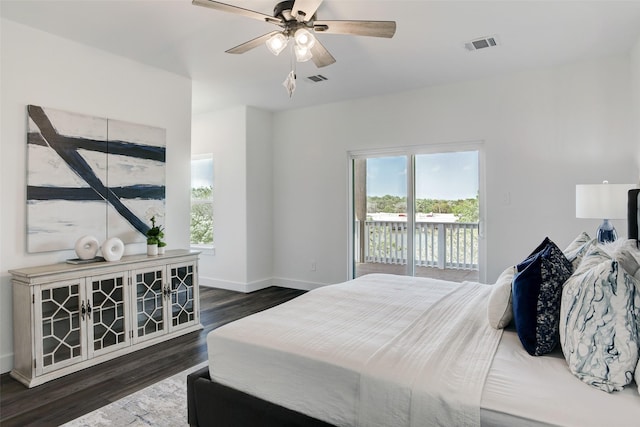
[202, 200]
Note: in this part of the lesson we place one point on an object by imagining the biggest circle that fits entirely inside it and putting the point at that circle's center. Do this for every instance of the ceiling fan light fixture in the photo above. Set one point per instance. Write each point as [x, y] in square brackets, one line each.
[303, 54]
[296, 18]
[304, 38]
[277, 43]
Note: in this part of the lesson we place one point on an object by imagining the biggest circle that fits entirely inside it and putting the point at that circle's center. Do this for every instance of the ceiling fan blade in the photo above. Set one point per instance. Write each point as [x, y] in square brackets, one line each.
[242, 48]
[321, 56]
[303, 10]
[359, 28]
[237, 10]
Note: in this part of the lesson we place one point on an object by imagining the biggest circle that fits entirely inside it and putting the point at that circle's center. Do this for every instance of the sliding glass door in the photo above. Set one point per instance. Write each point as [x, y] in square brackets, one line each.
[381, 216]
[447, 215]
[416, 213]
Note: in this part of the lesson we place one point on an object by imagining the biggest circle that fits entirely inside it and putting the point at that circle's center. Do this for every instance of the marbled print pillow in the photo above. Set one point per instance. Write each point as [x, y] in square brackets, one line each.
[638, 376]
[599, 322]
[577, 248]
[626, 253]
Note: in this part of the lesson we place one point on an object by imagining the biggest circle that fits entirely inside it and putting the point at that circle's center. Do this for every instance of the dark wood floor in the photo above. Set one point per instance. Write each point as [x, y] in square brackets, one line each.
[67, 398]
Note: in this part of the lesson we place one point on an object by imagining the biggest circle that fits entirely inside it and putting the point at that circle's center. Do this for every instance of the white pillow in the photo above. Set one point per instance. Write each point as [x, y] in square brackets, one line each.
[500, 309]
[599, 316]
[576, 249]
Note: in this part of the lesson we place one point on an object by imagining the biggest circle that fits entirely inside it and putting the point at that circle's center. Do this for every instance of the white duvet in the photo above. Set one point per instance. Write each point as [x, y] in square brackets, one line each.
[381, 350]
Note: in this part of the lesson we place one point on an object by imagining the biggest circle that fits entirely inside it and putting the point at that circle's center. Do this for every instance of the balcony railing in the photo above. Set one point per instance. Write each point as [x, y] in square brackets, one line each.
[437, 244]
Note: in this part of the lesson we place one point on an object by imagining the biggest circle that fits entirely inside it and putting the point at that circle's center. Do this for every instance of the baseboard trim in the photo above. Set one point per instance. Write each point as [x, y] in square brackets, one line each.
[6, 363]
[235, 286]
[296, 284]
[259, 284]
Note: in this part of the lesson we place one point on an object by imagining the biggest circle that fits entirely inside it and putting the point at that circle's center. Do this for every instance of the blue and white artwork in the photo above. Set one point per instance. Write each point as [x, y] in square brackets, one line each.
[91, 176]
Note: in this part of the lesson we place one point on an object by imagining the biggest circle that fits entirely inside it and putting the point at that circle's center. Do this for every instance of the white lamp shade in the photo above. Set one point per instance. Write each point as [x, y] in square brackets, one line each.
[302, 53]
[277, 43]
[304, 38]
[602, 201]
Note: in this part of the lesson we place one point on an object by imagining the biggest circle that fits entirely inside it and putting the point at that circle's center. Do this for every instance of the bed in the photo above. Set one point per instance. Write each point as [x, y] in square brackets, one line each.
[385, 350]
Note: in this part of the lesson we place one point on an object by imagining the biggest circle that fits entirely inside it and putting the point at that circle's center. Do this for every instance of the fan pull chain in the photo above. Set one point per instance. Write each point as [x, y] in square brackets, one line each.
[290, 82]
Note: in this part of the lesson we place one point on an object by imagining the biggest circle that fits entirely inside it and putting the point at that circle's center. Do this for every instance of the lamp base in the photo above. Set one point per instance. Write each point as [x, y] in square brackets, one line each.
[607, 232]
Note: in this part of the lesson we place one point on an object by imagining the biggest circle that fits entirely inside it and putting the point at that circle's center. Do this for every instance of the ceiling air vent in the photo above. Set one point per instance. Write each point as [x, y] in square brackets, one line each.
[317, 78]
[481, 43]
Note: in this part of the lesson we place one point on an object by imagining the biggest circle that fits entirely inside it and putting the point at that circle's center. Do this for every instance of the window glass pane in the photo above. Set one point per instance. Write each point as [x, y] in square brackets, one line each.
[446, 214]
[202, 176]
[381, 210]
[202, 200]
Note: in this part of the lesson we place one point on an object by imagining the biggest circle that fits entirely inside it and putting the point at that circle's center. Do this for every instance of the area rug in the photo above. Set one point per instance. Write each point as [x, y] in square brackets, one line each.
[161, 404]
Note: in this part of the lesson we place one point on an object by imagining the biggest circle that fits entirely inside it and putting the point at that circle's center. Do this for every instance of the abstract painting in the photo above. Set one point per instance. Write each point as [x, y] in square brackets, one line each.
[91, 176]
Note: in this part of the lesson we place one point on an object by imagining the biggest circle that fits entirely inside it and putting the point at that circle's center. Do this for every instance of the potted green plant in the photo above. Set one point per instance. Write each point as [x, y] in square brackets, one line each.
[154, 238]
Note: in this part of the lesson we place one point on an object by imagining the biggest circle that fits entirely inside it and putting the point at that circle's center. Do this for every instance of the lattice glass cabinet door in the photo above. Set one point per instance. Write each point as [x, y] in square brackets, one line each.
[106, 312]
[184, 298]
[60, 333]
[150, 295]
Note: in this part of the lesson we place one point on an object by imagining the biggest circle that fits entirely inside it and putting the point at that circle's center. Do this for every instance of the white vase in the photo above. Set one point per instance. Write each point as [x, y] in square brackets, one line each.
[87, 247]
[112, 249]
[152, 250]
[161, 250]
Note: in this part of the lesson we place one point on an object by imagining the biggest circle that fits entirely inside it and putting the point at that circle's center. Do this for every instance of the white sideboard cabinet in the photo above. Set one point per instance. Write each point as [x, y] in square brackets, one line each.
[69, 317]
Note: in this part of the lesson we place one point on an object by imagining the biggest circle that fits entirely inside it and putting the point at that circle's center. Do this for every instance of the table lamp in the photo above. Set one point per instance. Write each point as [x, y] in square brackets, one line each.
[604, 201]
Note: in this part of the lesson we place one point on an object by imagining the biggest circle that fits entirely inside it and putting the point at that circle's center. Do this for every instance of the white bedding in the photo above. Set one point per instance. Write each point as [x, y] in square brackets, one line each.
[435, 369]
[355, 354]
[523, 390]
[326, 353]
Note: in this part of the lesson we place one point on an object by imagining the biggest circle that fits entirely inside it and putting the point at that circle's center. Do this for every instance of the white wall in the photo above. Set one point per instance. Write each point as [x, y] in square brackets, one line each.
[635, 84]
[259, 199]
[222, 133]
[41, 69]
[544, 132]
[240, 141]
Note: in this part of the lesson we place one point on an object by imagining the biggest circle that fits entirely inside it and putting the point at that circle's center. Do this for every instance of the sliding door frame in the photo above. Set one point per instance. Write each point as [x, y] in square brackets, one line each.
[410, 152]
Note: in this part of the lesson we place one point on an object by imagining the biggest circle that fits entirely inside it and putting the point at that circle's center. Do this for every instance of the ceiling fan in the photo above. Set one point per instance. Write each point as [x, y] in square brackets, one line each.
[297, 18]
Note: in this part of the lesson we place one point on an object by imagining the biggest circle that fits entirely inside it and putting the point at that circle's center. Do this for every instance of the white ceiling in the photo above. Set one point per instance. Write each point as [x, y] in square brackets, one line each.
[428, 48]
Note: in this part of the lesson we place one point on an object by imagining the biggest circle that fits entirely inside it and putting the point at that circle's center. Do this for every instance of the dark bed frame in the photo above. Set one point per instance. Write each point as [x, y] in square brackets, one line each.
[213, 404]
[633, 215]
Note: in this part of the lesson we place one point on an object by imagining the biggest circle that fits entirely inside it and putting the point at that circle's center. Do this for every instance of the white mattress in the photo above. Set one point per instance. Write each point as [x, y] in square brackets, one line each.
[261, 355]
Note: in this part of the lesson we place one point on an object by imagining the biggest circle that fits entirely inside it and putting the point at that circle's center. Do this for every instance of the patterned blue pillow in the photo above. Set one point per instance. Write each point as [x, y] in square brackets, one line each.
[599, 322]
[537, 290]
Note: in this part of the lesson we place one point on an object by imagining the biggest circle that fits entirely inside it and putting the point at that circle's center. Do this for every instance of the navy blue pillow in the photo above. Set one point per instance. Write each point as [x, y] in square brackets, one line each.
[537, 291]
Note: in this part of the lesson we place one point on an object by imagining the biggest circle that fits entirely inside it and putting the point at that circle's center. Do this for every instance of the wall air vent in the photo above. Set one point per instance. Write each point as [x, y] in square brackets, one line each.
[482, 43]
[317, 78]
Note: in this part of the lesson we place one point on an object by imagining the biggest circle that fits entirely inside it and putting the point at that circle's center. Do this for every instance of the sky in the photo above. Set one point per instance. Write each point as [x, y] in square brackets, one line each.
[444, 176]
[201, 172]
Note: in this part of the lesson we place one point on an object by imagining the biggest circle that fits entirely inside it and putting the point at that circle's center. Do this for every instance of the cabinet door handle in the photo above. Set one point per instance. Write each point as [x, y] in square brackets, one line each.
[89, 309]
[83, 310]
